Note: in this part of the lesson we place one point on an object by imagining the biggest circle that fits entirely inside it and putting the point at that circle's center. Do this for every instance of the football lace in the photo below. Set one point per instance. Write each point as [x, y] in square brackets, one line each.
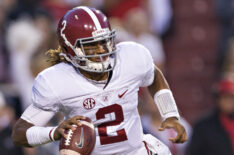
[69, 135]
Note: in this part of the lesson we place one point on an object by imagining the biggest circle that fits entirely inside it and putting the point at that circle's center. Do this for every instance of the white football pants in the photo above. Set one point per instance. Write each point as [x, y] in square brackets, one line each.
[151, 146]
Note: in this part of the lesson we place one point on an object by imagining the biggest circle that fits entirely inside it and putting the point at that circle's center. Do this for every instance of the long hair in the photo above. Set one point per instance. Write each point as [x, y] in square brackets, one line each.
[54, 57]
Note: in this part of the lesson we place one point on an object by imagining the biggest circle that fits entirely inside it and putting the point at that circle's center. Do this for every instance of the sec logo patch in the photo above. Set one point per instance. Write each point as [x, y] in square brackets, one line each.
[89, 103]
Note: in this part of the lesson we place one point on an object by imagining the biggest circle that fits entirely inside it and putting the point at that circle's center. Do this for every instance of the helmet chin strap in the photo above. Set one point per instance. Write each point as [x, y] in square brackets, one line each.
[78, 52]
[97, 66]
[90, 65]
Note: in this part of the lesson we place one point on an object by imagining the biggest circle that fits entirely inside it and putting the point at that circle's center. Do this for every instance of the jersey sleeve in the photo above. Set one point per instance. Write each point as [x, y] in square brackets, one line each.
[43, 96]
[148, 73]
[37, 116]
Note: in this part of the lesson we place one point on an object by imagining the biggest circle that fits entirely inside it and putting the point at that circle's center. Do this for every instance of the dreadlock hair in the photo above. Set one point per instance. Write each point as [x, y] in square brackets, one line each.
[54, 56]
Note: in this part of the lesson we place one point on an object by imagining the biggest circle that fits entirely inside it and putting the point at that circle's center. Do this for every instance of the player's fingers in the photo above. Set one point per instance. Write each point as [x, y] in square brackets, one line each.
[181, 137]
[161, 128]
[184, 137]
[172, 140]
[183, 134]
[79, 123]
[75, 122]
[180, 133]
[164, 126]
[62, 132]
[79, 118]
[68, 126]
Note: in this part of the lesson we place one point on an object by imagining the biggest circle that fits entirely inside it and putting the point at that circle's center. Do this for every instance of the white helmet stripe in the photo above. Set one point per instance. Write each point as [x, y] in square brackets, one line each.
[93, 16]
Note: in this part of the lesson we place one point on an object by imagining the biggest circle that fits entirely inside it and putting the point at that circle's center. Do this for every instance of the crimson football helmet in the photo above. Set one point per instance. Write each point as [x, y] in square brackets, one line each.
[82, 27]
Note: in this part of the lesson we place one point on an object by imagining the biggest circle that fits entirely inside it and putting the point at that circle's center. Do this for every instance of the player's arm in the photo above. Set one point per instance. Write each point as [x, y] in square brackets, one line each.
[165, 102]
[30, 130]
[19, 133]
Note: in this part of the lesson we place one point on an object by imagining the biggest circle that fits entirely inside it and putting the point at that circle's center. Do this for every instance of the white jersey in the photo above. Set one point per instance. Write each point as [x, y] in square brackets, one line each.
[62, 88]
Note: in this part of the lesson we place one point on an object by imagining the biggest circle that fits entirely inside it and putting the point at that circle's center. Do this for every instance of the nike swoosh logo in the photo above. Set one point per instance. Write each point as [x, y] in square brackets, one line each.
[81, 143]
[121, 95]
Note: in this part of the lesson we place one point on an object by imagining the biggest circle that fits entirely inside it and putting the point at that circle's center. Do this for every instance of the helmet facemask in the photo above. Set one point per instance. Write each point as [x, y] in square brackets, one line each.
[95, 62]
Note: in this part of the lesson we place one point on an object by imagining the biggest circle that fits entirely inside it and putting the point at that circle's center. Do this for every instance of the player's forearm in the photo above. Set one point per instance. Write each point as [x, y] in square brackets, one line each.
[29, 130]
[19, 133]
[28, 135]
[158, 83]
[163, 96]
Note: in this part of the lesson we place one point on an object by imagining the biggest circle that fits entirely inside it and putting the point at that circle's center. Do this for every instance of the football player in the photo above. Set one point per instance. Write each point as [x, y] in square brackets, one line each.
[92, 77]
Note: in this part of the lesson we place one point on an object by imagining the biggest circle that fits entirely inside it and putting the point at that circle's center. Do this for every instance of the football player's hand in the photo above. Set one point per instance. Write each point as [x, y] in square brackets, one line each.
[66, 125]
[173, 122]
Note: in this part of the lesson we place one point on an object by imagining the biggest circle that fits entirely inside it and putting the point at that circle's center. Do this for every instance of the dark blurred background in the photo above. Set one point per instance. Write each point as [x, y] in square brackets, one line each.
[191, 41]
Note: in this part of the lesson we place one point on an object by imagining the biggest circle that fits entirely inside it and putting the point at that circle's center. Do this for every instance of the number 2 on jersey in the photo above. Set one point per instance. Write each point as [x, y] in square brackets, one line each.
[102, 128]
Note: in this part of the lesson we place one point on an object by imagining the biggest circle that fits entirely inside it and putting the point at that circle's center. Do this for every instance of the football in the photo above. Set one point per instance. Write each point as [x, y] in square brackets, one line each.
[79, 142]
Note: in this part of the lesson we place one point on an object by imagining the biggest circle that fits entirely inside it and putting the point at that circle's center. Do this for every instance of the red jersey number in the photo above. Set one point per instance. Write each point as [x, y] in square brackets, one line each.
[102, 128]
